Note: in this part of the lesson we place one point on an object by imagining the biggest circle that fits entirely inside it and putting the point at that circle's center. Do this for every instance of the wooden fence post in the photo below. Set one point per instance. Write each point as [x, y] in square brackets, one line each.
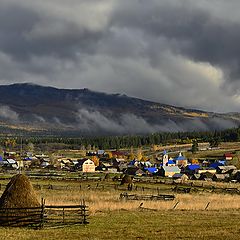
[42, 213]
[63, 215]
[207, 206]
[175, 206]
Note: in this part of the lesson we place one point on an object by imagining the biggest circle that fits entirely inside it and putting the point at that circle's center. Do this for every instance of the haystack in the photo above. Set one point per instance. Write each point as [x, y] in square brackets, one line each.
[126, 179]
[19, 193]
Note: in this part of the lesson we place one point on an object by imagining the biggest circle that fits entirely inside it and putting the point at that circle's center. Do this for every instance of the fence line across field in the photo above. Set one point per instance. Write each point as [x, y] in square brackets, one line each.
[44, 216]
[88, 183]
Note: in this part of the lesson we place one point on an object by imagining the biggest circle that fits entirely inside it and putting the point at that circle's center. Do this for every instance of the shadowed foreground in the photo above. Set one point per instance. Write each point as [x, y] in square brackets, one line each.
[143, 225]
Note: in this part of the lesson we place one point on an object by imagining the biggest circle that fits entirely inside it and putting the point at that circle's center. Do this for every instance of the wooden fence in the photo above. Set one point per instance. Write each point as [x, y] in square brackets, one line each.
[44, 216]
[21, 217]
[165, 197]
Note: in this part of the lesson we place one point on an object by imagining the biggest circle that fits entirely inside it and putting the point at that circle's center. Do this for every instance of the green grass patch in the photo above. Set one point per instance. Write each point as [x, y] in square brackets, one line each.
[142, 225]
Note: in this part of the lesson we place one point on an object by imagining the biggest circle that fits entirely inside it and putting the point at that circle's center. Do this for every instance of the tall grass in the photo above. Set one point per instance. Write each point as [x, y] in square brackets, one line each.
[101, 201]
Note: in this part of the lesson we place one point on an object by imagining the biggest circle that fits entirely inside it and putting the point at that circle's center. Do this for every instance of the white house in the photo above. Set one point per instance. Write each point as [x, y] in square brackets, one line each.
[88, 166]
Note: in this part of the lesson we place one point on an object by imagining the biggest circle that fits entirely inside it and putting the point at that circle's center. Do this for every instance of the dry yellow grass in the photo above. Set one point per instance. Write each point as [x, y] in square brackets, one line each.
[101, 201]
[109, 199]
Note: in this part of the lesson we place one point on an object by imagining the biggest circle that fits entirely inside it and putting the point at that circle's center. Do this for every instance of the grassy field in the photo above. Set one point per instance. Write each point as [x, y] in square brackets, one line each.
[112, 218]
[142, 225]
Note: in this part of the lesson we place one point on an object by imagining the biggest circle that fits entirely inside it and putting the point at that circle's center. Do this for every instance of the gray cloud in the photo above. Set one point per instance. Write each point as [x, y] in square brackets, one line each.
[177, 52]
[7, 113]
[93, 122]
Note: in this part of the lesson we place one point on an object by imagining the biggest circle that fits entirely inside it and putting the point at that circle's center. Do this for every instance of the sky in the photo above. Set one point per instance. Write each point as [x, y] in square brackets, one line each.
[185, 53]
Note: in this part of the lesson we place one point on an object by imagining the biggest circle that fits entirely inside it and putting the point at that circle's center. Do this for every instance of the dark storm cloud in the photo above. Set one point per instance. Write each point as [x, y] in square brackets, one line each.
[177, 52]
[27, 32]
[189, 31]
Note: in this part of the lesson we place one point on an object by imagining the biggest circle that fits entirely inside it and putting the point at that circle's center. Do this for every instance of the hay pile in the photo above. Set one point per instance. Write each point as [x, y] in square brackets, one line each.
[19, 193]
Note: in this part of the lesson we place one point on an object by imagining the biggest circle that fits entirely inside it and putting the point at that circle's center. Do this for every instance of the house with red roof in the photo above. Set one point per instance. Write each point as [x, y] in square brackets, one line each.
[228, 156]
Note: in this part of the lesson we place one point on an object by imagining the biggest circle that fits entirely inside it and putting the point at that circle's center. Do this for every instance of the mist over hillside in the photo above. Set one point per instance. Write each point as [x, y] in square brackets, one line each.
[29, 106]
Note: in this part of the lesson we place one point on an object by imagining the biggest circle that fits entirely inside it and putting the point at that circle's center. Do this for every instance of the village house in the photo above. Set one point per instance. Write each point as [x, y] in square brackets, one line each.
[192, 169]
[206, 176]
[180, 160]
[88, 166]
[236, 175]
[180, 177]
[226, 169]
[9, 163]
[151, 170]
[228, 156]
[216, 164]
[220, 177]
[168, 171]
[209, 170]
[171, 163]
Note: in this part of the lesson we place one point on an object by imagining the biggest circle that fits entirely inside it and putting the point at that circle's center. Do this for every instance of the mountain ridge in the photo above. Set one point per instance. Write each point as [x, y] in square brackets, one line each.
[95, 113]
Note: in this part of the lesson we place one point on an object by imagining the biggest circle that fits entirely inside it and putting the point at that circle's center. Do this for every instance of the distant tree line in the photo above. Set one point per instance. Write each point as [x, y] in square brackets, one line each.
[117, 142]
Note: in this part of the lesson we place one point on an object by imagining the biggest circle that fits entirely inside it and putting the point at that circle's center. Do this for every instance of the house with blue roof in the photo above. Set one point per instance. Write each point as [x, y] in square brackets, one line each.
[180, 160]
[192, 169]
[171, 162]
[215, 165]
[151, 170]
